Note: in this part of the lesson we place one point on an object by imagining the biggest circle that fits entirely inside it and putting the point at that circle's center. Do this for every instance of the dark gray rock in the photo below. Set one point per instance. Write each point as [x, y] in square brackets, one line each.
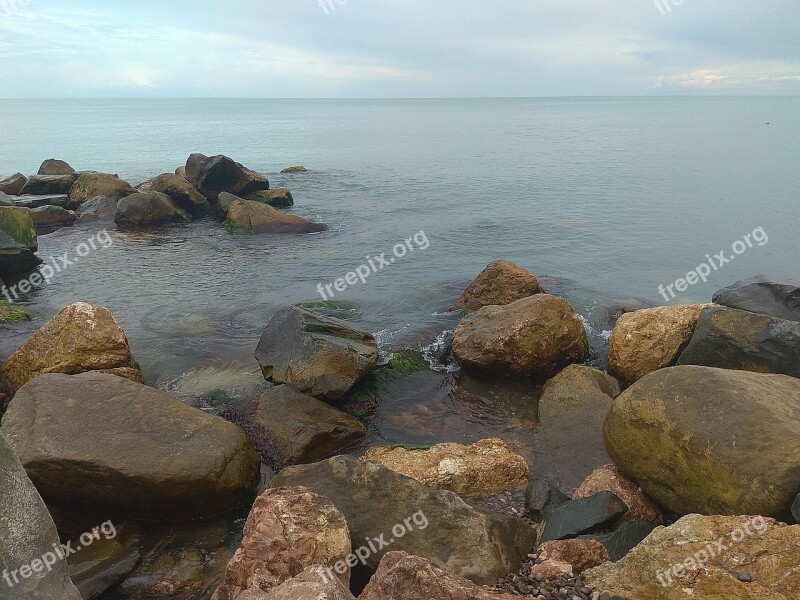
[142, 210]
[46, 185]
[99, 207]
[624, 538]
[796, 509]
[47, 200]
[764, 295]
[217, 174]
[583, 516]
[101, 566]
[47, 219]
[13, 185]
[55, 167]
[541, 498]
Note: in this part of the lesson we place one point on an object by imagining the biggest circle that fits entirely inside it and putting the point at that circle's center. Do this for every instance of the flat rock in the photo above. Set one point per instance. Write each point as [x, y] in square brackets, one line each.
[502, 282]
[45, 185]
[586, 515]
[61, 200]
[262, 218]
[763, 295]
[47, 219]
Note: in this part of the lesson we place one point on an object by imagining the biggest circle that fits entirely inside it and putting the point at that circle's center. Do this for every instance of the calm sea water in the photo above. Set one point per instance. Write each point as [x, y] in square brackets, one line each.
[610, 197]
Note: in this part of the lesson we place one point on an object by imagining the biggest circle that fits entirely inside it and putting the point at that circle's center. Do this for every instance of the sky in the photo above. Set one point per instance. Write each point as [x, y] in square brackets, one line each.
[397, 48]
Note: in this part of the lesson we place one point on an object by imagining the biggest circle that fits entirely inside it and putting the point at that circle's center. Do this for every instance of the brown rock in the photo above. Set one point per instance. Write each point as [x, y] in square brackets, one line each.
[288, 530]
[534, 337]
[13, 185]
[262, 218]
[55, 167]
[80, 338]
[181, 171]
[311, 584]
[580, 554]
[551, 569]
[647, 340]
[279, 197]
[609, 478]
[181, 191]
[89, 185]
[215, 174]
[502, 282]
[483, 469]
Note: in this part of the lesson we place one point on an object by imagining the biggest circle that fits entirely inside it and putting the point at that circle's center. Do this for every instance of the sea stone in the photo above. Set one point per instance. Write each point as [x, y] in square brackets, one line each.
[55, 167]
[502, 282]
[212, 175]
[88, 185]
[13, 185]
[279, 197]
[311, 584]
[609, 478]
[763, 295]
[182, 192]
[582, 516]
[43, 185]
[262, 218]
[579, 554]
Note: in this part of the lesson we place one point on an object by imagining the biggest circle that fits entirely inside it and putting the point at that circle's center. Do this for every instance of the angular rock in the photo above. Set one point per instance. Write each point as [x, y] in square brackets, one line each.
[55, 167]
[541, 498]
[222, 174]
[137, 452]
[402, 576]
[763, 295]
[289, 427]
[309, 585]
[43, 185]
[665, 566]
[5, 200]
[80, 338]
[651, 339]
[609, 478]
[89, 185]
[579, 554]
[287, 531]
[485, 468]
[47, 219]
[98, 207]
[141, 210]
[710, 441]
[13, 185]
[436, 525]
[182, 192]
[279, 197]
[534, 337]
[502, 282]
[318, 355]
[735, 339]
[582, 516]
[623, 539]
[60, 200]
[262, 218]
[18, 241]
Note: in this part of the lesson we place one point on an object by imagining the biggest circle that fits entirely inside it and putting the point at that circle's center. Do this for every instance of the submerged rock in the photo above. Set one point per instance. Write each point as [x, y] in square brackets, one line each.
[502, 282]
[279, 197]
[89, 185]
[212, 175]
[294, 169]
[53, 166]
[47, 219]
[262, 218]
[763, 295]
[138, 210]
[43, 185]
[13, 185]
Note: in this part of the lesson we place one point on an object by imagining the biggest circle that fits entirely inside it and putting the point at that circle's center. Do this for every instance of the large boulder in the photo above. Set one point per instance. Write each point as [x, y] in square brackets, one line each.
[13, 185]
[47, 219]
[708, 558]
[393, 511]
[89, 185]
[80, 338]
[736, 339]
[262, 218]
[763, 295]
[502, 282]
[608, 478]
[318, 355]
[279, 197]
[182, 192]
[222, 174]
[27, 532]
[141, 210]
[311, 584]
[287, 531]
[534, 337]
[102, 442]
[43, 185]
[98, 207]
[651, 339]
[710, 441]
[18, 241]
[485, 468]
[53, 166]
[289, 427]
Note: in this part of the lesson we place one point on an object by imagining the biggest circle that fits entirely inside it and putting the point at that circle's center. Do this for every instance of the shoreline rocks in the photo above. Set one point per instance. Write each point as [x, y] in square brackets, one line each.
[141, 210]
[500, 283]
[90, 184]
[763, 295]
[212, 175]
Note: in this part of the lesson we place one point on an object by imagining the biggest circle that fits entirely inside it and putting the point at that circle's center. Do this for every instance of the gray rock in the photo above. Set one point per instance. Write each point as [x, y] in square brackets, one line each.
[46, 185]
[796, 509]
[141, 210]
[582, 516]
[224, 201]
[47, 219]
[13, 185]
[47, 200]
[6, 200]
[99, 207]
[624, 538]
[763, 295]
[55, 167]
[541, 498]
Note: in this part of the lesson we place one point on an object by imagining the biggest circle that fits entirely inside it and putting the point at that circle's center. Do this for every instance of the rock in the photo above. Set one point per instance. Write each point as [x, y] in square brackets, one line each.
[47, 219]
[55, 167]
[737, 339]
[148, 455]
[582, 516]
[710, 441]
[13, 185]
[222, 174]
[318, 355]
[579, 554]
[89, 185]
[534, 337]
[485, 468]
[623, 539]
[27, 532]
[541, 498]
[80, 338]
[5, 200]
[287, 531]
[796, 509]
[182, 192]
[778, 298]
[224, 201]
[140, 210]
[381, 505]
[61, 200]
[18, 241]
[262, 218]
[402, 576]
[43, 185]
[609, 478]
[279, 197]
[502, 282]
[9, 316]
[309, 585]
[101, 566]
[686, 560]
[99, 207]
[289, 427]
[295, 169]
[651, 339]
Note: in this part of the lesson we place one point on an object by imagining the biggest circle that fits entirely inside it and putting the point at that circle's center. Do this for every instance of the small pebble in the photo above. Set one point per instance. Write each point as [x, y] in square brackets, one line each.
[745, 578]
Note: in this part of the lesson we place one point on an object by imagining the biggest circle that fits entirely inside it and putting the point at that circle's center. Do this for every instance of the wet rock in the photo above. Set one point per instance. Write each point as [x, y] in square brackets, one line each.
[47, 219]
[289, 427]
[623, 539]
[502, 282]
[534, 337]
[609, 478]
[261, 218]
[686, 561]
[89, 185]
[9, 316]
[182, 192]
[55, 167]
[651, 339]
[318, 355]
[411, 517]
[18, 241]
[212, 175]
[61, 200]
[778, 298]
[311, 584]
[737, 339]
[582, 516]
[101, 566]
[541, 498]
[710, 441]
[288, 530]
[224, 201]
[135, 451]
[279, 197]
[27, 532]
[99, 207]
[13, 185]
[139, 210]
[80, 338]
[485, 468]
[294, 169]
[43, 185]
[579, 554]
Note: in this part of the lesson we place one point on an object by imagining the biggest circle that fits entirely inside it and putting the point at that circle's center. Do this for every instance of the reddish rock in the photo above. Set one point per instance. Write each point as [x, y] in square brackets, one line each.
[579, 554]
[609, 478]
[311, 584]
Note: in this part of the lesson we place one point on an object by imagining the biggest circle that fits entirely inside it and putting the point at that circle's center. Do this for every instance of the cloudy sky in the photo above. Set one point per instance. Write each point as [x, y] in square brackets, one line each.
[397, 48]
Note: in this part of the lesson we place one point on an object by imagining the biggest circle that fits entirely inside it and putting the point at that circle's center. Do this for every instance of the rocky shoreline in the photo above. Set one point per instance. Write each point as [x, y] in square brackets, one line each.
[697, 418]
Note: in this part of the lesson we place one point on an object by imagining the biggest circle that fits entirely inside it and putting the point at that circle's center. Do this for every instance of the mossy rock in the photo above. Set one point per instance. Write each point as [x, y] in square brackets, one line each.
[18, 224]
[295, 169]
[218, 399]
[9, 315]
[324, 305]
[411, 447]
[277, 198]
